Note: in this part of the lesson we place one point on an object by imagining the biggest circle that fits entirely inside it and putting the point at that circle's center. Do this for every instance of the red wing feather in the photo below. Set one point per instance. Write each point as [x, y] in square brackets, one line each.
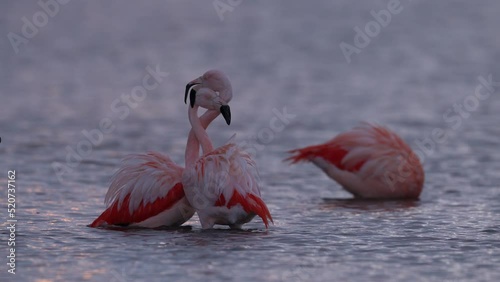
[121, 216]
[251, 204]
[330, 152]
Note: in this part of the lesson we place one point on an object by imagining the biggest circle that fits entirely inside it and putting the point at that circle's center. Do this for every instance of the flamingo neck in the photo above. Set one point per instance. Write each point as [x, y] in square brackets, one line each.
[199, 131]
[193, 145]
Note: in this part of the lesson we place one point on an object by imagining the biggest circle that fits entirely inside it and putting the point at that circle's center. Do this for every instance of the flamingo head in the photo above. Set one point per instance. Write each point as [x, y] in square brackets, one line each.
[211, 91]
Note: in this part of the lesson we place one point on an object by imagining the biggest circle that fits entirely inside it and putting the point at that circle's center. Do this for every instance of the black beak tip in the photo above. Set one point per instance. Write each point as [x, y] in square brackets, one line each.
[186, 93]
[189, 85]
[192, 97]
[226, 113]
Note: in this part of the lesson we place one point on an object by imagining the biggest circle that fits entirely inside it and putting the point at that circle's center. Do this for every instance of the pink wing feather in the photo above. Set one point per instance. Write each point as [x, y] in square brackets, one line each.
[145, 186]
[226, 173]
[351, 150]
[373, 154]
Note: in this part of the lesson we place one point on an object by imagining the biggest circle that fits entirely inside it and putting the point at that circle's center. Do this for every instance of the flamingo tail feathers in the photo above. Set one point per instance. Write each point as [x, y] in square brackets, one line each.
[331, 152]
[334, 154]
[251, 204]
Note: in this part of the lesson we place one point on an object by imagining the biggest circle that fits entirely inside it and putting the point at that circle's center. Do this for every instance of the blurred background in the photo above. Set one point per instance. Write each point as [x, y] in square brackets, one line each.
[66, 67]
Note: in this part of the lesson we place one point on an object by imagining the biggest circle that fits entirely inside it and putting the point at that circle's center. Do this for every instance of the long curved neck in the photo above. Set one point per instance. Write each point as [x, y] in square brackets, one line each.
[193, 145]
[199, 130]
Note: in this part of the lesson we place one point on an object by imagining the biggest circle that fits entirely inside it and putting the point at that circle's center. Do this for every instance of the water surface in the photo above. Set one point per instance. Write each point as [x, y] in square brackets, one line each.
[279, 54]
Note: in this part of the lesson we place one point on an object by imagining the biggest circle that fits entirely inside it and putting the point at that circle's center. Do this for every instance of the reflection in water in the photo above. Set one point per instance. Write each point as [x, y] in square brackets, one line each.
[183, 228]
[368, 205]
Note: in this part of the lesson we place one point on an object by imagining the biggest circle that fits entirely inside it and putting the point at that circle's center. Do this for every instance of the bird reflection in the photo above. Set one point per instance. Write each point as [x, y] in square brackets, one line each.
[368, 205]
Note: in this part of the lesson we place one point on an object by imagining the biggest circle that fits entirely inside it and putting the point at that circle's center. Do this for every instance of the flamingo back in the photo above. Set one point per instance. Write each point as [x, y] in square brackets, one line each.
[145, 186]
[225, 178]
[372, 153]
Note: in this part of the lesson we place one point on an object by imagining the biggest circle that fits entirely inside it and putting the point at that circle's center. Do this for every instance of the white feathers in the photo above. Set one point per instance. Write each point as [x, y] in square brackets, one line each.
[221, 172]
[145, 177]
[374, 146]
[357, 155]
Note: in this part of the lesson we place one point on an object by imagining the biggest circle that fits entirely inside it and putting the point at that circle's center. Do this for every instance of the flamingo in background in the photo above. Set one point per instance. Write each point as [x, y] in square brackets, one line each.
[370, 161]
[147, 190]
[222, 185]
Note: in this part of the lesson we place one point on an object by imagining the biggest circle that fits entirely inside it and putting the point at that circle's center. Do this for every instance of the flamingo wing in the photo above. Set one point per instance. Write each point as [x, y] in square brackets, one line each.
[363, 150]
[146, 191]
[367, 157]
[224, 179]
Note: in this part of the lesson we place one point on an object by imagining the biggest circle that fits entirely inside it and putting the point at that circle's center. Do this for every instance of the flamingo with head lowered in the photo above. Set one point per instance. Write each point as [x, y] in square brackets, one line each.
[147, 191]
[370, 161]
[223, 184]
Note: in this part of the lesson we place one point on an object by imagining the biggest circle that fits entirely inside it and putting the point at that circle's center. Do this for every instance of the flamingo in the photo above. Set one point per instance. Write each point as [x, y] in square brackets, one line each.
[223, 184]
[369, 161]
[147, 191]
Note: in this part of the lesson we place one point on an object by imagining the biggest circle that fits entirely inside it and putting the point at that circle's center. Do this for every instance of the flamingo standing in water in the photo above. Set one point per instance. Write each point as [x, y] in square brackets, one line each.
[147, 190]
[222, 185]
[370, 161]
[150, 190]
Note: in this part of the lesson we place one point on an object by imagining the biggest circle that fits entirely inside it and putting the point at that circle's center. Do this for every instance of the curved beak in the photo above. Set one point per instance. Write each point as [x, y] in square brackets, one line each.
[226, 113]
[191, 94]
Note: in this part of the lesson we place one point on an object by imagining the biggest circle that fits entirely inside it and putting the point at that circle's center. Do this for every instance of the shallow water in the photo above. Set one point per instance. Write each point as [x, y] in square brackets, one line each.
[280, 54]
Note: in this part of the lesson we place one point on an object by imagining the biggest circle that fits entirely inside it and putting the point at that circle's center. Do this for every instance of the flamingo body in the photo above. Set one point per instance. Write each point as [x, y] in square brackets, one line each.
[223, 187]
[370, 161]
[151, 191]
[146, 192]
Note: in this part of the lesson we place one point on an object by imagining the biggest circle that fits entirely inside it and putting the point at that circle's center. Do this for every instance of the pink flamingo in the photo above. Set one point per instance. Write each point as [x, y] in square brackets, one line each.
[147, 191]
[370, 161]
[222, 185]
